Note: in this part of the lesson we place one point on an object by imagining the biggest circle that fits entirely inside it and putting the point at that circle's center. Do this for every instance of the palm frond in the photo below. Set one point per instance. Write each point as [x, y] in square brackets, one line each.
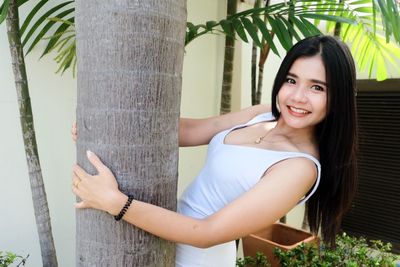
[367, 25]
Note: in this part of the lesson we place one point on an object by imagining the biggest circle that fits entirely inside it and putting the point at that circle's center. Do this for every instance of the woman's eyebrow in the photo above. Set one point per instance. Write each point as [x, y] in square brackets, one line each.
[312, 80]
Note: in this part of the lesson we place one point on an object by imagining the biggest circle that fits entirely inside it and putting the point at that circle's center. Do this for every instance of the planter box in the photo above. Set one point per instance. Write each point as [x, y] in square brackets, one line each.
[277, 235]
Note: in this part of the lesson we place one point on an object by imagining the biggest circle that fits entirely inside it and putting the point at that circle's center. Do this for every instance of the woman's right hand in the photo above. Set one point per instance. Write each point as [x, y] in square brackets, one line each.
[74, 132]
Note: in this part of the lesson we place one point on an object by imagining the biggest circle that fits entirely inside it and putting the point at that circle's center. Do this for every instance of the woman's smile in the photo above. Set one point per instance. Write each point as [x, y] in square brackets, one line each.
[297, 111]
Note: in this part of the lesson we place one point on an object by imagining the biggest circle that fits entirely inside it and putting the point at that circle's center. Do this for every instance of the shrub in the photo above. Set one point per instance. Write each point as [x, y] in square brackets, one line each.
[259, 261]
[349, 252]
[7, 258]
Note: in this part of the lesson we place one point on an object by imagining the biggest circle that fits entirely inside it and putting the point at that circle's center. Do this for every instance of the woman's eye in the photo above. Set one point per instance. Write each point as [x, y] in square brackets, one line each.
[290, 80]
[317, 88]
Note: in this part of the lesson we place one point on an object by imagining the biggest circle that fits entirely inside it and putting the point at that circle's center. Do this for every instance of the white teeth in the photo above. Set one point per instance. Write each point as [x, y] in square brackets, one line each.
[297, 110]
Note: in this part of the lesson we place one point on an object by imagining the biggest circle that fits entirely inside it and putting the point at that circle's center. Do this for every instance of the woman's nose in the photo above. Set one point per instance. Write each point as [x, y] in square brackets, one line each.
[299, 94]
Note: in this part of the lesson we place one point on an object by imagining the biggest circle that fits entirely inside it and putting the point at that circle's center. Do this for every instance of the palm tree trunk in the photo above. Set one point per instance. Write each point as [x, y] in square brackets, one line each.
[40, 207]
[257, 83]
[226, 92]
[263, 57]
[254, 49]
[338, 26]
[130, 57]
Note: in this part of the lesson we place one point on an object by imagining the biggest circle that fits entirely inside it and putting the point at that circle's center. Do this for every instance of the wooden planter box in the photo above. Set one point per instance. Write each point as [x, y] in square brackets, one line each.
[278, 235]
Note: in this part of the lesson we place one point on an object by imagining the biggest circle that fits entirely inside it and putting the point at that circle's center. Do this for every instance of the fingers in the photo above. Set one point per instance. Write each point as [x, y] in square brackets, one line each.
[96, 161]
[74, 131]
[76, 181]
[81, 205]
[79, 172]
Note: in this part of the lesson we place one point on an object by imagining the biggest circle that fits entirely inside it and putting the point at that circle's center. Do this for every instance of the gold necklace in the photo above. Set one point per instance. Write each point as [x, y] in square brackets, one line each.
[259, 139]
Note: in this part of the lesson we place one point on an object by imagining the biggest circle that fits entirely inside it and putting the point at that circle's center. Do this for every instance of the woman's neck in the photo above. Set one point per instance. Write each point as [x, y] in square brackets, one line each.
[297, 136]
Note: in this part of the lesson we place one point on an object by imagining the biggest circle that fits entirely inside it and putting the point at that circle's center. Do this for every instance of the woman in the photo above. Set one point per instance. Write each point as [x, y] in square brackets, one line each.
[259, 164]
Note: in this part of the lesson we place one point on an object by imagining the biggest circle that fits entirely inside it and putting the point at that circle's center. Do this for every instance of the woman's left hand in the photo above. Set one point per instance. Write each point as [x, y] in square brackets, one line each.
[96, 191]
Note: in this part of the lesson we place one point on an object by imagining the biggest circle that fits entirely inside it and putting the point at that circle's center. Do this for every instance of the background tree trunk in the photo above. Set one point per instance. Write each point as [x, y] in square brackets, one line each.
[226, 92]
[39, 198]
[257, 4]
[130, 56]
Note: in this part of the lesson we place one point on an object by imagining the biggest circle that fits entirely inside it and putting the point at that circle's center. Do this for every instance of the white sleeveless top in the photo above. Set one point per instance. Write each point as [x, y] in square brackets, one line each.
[230, 171]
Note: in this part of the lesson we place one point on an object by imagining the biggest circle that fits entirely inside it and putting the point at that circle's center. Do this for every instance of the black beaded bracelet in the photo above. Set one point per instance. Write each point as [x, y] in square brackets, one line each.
[124, 209]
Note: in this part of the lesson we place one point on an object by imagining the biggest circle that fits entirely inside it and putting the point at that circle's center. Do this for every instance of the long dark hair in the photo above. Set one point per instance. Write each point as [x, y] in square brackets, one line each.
[336, 134]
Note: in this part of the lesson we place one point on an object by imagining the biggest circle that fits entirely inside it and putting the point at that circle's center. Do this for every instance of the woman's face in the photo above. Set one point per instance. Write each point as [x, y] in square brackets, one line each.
[302, 98]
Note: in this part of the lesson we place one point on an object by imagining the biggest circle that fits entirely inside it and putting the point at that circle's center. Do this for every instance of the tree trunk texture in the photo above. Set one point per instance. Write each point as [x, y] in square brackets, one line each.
[263, 57]
[39, 198]
[254, 49]
[130, 57]
[226, 92]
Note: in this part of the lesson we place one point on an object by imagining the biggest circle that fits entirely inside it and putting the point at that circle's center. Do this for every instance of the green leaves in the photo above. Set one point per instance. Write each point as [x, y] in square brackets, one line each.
[366, 24]
[260, 261]
[285, 21]
[371, 52]
[237, 25]
[350, 251]
[4, 10]
[10, 258]
[251, 29]
[45, 29]
[266, 34]
[368, 38]
[54, 25]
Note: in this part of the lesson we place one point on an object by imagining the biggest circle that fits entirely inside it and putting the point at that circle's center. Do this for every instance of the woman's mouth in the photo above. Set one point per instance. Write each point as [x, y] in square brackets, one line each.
[298, 111]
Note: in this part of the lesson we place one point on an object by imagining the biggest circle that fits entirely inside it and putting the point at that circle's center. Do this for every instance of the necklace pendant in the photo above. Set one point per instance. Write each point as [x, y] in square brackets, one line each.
[258, 140]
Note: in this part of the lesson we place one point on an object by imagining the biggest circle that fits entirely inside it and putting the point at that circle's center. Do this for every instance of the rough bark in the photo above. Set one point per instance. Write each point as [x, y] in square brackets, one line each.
[226, 92]
[130, 56]
[40, 207]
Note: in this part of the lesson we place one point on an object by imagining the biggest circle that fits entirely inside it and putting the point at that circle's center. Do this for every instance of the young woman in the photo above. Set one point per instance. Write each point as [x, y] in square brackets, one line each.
[260, 164]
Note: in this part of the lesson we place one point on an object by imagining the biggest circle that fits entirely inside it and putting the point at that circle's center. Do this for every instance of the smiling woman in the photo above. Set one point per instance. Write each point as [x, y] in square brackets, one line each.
[302, 98]
[260, 164]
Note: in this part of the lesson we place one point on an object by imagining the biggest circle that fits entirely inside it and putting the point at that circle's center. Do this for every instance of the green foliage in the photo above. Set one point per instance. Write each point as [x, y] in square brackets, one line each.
[280, 18]
[368, 25]
[370, 37]
[260, 261]
[8, 258]
[350, 252]
[4, 8]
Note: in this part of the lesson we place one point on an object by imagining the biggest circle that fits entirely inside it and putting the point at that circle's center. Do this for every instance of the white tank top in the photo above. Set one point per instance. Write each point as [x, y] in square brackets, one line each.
[230, 171]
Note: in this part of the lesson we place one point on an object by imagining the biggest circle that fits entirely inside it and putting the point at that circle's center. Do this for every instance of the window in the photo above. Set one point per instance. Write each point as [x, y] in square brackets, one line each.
[375, 213]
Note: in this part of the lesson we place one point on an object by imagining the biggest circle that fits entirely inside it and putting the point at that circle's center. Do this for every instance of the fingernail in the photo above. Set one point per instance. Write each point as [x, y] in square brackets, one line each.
[89, 153]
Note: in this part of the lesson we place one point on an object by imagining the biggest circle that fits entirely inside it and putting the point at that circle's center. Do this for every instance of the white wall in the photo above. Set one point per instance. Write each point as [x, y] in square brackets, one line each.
[202, 79]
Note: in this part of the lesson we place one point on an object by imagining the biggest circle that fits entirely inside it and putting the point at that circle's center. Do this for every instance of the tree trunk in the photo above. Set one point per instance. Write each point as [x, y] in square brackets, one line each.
[130, 56]
[226, 92]
[257, 4]
[40, 207]
[263, 57]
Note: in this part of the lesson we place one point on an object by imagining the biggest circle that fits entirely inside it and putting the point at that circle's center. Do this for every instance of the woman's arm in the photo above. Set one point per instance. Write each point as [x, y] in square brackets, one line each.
[277, 192]
[195, 132]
